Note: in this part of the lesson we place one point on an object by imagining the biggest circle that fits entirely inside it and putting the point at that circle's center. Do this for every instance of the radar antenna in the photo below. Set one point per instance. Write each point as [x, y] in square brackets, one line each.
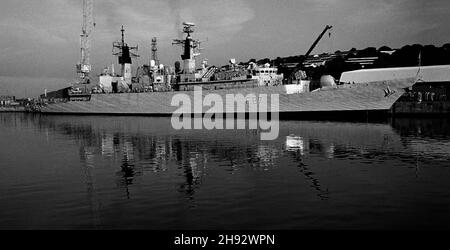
[192, 48]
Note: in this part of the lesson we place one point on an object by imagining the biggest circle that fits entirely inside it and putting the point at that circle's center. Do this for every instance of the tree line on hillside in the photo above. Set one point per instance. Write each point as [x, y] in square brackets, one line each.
[407, 56]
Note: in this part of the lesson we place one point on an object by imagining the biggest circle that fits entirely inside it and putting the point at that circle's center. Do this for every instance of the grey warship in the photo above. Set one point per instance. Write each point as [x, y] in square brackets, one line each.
[151, 93]
[152, 89]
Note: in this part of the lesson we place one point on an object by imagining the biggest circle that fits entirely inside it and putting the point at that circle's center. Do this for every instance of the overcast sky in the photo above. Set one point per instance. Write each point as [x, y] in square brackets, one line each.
[39, 43]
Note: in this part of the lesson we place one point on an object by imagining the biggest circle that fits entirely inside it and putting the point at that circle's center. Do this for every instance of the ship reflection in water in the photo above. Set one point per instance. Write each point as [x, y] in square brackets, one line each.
[137, 172]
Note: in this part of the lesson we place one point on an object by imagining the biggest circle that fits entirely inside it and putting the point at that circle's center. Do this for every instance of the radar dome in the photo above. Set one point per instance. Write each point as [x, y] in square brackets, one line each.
[327, 81]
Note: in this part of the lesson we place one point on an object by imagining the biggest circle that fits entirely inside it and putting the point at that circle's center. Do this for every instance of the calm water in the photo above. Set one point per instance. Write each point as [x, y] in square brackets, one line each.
[70, 172]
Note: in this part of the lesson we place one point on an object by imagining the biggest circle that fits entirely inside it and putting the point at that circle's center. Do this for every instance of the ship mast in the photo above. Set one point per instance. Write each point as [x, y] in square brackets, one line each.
[155, 50]
[191, 48]
[125, 54]
[84, 67]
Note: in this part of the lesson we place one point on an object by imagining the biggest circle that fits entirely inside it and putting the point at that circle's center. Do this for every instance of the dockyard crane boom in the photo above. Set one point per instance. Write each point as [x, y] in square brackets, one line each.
[328, 27]
[295, 74]
[84, 67]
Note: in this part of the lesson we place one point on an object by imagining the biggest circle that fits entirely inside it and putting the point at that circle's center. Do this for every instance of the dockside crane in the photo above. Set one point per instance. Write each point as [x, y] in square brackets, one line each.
[84, 67]
[299, 67]
[313, 46]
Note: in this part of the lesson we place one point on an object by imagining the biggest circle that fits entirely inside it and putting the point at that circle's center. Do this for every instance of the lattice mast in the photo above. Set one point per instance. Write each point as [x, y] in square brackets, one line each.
[155, 50]
[84, 68]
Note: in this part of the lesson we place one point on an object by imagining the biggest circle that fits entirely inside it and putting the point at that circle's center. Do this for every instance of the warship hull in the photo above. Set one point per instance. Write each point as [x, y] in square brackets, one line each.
[359, 97]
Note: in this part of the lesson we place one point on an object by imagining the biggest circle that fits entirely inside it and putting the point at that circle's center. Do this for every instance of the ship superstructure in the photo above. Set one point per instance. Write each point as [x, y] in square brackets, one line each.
[212, 77]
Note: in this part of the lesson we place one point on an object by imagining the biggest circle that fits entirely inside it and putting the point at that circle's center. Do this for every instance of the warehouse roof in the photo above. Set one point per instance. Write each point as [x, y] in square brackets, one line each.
[440, 73]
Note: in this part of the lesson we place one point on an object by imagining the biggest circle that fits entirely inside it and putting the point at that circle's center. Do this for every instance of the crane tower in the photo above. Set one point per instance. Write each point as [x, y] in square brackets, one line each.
[84, 67]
